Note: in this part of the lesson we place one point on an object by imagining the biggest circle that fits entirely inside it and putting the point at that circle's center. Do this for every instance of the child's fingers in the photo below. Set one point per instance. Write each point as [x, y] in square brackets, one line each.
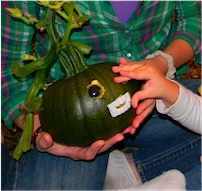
[116, 69]
[121, 79]
[127, 66]
[146, 105]
[123, 61]
[139, 96]
[137, 74]
[141, 116]
[136, 98]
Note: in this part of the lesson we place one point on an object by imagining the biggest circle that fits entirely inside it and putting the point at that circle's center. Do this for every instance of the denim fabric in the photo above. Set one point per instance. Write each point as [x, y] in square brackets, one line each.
[194, 176]
[42, 171]
[5, 161]
[163, 144]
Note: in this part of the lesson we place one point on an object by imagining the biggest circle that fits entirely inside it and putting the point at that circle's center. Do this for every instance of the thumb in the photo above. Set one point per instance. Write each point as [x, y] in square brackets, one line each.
[138, 96]
[44, 141]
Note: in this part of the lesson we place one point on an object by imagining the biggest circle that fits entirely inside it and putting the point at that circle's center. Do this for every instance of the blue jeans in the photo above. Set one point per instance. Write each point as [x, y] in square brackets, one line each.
[5, 161]
[42, 171]
[162, 145]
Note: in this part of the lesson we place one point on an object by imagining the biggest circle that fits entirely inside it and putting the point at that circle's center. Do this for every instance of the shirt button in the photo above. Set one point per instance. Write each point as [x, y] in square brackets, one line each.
[128, 54]
[127, 31]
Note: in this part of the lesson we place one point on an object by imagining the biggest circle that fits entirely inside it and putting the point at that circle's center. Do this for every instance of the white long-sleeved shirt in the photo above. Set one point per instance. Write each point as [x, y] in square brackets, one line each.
[187, 110]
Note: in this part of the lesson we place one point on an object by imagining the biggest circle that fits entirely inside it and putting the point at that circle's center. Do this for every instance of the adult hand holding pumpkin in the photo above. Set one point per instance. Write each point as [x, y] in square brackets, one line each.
[45, 143]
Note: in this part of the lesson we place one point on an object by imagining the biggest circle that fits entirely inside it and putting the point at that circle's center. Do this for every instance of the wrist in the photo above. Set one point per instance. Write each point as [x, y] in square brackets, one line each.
[170, 96]
[161, 63]
[19, 122]
[164, 57]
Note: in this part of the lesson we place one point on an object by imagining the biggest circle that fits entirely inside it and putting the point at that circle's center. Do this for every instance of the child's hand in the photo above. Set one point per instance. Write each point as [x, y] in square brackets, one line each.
[156, 85]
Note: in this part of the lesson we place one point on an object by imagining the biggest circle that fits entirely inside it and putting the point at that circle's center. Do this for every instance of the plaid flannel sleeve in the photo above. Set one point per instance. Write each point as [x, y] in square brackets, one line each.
[187, 25]
[16, 39]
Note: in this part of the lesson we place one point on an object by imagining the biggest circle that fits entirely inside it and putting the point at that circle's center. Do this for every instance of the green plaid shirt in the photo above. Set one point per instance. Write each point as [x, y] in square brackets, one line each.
[149, 29]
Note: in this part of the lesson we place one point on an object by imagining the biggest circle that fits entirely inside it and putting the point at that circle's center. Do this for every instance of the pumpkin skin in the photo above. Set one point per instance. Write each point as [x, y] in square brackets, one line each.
[74, 118]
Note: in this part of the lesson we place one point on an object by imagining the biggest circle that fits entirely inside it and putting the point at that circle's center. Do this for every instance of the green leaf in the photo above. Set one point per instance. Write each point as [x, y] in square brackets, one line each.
[15, 12]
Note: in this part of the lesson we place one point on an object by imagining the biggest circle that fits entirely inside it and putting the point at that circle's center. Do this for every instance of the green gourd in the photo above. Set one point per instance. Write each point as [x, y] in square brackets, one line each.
[75, 110]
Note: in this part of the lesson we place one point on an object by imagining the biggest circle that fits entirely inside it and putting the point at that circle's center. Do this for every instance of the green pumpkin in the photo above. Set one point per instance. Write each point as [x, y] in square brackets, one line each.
[75, 110]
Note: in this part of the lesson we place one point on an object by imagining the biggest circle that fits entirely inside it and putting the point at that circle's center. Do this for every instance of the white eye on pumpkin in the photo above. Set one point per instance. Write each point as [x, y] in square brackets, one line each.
[95, 89]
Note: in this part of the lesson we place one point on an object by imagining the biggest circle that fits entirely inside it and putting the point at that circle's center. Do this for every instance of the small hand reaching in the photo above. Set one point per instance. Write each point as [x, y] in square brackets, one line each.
[144, 99]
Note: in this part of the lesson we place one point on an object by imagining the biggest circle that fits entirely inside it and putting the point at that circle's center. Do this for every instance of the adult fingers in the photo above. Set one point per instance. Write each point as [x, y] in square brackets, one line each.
[76, 153]
[44, 142]
[111, 141]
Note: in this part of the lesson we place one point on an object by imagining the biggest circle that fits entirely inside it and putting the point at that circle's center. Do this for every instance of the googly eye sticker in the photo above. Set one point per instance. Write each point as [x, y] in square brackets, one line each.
[95, 89]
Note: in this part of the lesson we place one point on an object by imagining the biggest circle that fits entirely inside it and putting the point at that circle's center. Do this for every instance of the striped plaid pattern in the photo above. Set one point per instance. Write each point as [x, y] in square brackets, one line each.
[148, 29]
